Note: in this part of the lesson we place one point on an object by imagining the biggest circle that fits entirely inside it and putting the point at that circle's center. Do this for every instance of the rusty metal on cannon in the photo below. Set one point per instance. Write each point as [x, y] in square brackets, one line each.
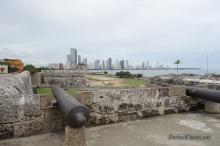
[203, 93]
[76, 115]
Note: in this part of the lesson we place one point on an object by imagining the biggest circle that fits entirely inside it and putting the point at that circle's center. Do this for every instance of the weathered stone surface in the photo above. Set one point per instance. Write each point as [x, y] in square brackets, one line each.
[63, 78]
[28, 127]
[20, 113]
[36, 79]
[45, 101]
[177, 91]
[53, 120]
[117, 105]
[32, 107]
[16, 98]
[75, 137]
[6, 131]
[212, 107]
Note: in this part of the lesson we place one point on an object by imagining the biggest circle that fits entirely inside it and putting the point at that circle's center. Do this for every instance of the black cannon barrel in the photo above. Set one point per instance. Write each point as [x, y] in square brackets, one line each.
[207, 94]
[76, 114]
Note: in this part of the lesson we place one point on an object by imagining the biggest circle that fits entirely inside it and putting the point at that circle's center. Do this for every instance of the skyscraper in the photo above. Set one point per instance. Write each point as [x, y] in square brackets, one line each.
[109, 64]
[97, 64]
[79, 59]
[73, 53]
[72, 59]
[103, 65]
[122, 64]
[84, 61]
[117, 65]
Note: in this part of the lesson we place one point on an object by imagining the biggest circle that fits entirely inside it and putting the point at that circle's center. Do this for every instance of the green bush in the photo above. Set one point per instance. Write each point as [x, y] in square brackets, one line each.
[126, 74]
[139, 75]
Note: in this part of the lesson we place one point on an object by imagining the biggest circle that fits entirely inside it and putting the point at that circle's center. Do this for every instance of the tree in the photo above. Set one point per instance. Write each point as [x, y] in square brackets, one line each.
[30, 68]
[177, 65]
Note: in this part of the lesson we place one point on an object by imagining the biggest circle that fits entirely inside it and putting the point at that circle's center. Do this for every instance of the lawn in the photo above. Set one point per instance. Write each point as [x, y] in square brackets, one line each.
[134, 82]
[113, 81]
[47, 91]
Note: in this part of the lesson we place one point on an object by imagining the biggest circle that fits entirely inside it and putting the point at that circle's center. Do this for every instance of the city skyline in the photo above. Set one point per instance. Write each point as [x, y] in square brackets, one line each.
[75, 58]
[138, 31]
[91, 61]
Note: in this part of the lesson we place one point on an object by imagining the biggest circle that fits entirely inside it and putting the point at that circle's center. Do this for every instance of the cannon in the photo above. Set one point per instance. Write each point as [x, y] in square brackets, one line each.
[76, 115]
[207, 94]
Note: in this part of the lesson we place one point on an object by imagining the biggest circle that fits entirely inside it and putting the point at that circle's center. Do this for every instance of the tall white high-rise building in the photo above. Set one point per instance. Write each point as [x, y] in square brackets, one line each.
[117, 65]
[73, 53]
[97, 64]
[79, 59]
[143, 65]
[103, 65]
[109, 64]
[84, 61]
[72, 59]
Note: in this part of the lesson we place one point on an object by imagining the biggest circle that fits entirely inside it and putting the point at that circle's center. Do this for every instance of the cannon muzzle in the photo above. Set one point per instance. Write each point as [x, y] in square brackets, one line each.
[76, 115]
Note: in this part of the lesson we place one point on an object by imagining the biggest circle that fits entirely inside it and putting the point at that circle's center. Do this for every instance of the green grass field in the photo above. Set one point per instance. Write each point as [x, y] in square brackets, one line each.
[47, 91]
[111, 80]
[135, 82]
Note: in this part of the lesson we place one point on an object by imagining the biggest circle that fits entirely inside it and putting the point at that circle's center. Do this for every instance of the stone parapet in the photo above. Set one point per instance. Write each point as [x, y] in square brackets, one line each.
[63, 78]
[24, 113]
[118, 105]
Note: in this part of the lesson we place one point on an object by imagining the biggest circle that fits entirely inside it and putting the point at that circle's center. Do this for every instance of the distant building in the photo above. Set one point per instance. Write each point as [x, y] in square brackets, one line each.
[79, 59]
[147, 65]
[109, 64]
[117, 65]
[72, 59]
[17, 63]
[3, 69]
[73, 53]
[122, 64]
[58, 66]
[126, 64]
[143, 65]
[69, 60]
[91, 66]
[84, 61]
[103, 65]
[97, 64]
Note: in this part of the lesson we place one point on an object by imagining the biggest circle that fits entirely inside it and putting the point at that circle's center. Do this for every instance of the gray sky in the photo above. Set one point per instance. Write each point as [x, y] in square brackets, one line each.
[42, 31]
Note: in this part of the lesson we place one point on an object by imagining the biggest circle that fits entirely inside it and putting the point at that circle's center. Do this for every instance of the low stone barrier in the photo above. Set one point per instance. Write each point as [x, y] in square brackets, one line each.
[119, 105]
[63, 78]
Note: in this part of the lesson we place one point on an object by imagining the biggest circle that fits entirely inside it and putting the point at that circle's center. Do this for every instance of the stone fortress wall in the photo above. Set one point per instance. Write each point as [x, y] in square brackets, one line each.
[24, 113]
[119, 105]
[211, 81]
[62, 78]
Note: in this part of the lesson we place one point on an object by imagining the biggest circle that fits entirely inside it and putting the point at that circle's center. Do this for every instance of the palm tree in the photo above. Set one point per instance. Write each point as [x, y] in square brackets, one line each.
[177, 64]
